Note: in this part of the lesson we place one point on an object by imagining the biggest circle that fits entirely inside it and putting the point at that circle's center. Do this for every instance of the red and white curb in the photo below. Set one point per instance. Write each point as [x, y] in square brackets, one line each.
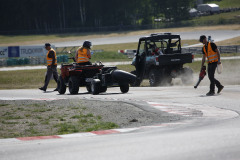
[172, 108]
[102, 132]
[87, 134]
[35, 99]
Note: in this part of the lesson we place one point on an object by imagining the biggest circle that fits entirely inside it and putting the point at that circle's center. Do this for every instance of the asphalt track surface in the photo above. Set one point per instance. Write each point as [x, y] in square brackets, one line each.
[217, 35]
[214, 134]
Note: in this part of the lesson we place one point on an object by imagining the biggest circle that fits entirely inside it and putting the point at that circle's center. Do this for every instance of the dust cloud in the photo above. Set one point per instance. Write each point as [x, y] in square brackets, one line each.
[229, 76]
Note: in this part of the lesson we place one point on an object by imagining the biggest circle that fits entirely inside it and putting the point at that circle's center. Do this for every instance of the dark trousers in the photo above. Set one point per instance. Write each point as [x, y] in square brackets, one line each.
[51, 70]
[211, 72]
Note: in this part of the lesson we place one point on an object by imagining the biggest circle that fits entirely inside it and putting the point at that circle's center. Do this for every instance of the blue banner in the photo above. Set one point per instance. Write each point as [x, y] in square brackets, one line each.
[13, 51]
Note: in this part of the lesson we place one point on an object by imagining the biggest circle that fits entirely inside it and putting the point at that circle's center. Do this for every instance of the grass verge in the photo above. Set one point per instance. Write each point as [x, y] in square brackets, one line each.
[34, 78]
[216, 19]
[24, 79]
[232, 41]
[109, 57]
[227, 3]
[195, 65]
[24, 119]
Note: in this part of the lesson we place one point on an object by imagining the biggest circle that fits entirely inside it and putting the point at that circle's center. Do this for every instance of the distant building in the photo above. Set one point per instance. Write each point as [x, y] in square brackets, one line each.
[208, 8]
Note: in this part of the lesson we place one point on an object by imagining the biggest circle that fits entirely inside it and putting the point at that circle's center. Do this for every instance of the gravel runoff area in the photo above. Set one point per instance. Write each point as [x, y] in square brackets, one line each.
[24, 118]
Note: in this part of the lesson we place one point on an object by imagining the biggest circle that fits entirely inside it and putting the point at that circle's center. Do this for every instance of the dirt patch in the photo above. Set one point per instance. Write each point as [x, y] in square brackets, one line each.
[39, 118]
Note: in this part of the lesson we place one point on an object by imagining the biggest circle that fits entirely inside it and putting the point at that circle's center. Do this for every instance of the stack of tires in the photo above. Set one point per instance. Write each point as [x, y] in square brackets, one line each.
[12, 62]
[3, 62]
[62, 59]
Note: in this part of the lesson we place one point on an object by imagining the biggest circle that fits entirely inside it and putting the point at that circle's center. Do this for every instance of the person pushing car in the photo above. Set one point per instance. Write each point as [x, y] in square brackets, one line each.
[83, 54]
[211, 51]
[51, 66]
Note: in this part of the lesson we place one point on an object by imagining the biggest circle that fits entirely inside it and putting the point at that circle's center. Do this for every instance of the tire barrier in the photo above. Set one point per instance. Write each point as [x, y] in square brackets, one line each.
[30, 60]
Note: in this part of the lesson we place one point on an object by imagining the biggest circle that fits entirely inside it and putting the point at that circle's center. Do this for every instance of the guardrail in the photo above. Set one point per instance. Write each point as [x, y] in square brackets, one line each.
[129, 53]
[222, 49]
[30, 61]
[72, 49]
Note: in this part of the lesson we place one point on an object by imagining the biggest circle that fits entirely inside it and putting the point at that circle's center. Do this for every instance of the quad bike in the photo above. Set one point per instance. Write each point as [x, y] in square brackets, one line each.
[96, 78]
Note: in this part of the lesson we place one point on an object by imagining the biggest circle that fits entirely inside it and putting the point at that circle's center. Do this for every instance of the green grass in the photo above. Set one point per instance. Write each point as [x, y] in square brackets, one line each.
[24, 79]
[216, 19]
[34, 78]
[232, 41]
[227, 3]
[127, 68]
[110, 51]
[109, 57]
[113, 48]
[59, 120]
[25, 38]
[195, 65]
[102, 126]
[41, 38]
[116, 47]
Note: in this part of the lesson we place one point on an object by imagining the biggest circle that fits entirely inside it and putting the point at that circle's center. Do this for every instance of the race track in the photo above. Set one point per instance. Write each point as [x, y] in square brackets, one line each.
[213, 134]
[217, 35]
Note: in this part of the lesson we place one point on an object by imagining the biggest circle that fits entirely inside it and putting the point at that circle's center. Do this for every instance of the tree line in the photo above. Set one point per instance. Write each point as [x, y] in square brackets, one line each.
[61, 14]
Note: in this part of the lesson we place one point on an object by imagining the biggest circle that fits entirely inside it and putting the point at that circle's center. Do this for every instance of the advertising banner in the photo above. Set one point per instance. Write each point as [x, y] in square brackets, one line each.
[32, 51]
[23, 51]
[13, 51]
[3, 52]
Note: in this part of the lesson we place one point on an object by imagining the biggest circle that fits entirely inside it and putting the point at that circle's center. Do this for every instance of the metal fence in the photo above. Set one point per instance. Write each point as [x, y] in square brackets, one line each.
[222, 49]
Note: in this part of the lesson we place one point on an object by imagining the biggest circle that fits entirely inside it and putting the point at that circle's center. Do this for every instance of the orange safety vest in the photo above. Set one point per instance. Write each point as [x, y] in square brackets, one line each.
[210, 54]
[82, 55]
[49, 60]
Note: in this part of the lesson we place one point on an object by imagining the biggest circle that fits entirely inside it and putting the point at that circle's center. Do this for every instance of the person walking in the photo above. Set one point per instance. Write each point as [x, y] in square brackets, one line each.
[51, 66]
[211, 52]
[83, 54]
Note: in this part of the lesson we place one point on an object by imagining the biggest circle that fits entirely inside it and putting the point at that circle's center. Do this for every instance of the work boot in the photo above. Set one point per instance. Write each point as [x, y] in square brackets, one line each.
[220, 89]
[43, 89]
[210, 93]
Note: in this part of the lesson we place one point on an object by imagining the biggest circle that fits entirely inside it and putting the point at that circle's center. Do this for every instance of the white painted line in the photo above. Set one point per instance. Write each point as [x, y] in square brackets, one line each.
[76, 135]
[9, 140]
[123, 130]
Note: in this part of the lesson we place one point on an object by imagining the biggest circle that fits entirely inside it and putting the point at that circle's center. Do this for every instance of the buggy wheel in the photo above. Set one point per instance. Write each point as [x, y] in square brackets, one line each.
[73, 85]
[61, 85]
[134, 72]
[154, 78]
[88, 87]
[95, 87]
[124, 88]
[103, 89]
[187, 76]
